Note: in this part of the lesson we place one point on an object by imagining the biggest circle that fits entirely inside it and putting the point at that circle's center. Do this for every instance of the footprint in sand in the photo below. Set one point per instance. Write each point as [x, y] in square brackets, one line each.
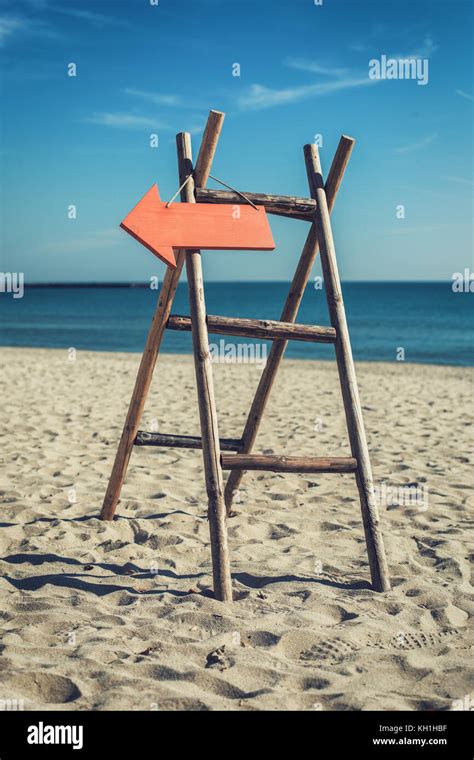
[412, 640]
[335, 650]
[282, 531]
[278, 496]
[261, 639]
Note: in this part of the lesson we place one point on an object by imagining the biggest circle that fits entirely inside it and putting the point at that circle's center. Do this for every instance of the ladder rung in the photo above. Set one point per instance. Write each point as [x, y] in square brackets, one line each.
[183, 441]
[266, 329]
[275, 463]
[282, 205]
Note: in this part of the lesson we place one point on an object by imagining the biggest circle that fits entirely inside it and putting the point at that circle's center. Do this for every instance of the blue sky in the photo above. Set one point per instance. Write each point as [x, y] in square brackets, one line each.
[144, 69]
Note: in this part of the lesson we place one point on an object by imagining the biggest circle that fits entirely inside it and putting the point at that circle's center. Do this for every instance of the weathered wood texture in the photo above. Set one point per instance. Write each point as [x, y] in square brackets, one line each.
[205, 394]
[155, 335]
[347, 376]
[274, 463]
[207, 151]
[289, 313]
[265, 329]
[182, 441]
[280, 205]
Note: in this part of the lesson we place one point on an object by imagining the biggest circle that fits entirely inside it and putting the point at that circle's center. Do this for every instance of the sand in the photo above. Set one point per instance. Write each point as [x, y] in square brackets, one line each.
[119, 616]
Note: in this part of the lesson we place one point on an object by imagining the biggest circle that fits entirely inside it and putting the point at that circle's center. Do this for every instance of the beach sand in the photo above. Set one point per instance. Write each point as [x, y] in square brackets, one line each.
[118, 615]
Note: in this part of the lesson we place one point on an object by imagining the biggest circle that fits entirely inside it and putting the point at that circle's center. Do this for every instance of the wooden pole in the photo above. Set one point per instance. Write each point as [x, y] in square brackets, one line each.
[290, 311]
[155, 335]
[207, 151]
[206, 401]
[347, 376]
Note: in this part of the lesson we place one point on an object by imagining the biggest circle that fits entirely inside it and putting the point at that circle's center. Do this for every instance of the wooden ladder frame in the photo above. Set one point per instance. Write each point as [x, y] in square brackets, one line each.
[316, 210]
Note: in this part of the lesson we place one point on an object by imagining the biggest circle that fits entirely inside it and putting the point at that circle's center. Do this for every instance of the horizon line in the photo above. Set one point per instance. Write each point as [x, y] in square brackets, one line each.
[146, 284]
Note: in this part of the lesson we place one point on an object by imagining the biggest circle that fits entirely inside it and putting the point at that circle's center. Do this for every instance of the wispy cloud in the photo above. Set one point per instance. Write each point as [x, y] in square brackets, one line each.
[124, 120]
[13, 26]
[375, 45]
[29, 20]
[154, 97]
[9, 25]
[167, 100]
[425, 50]
[91, 17]
[422, 143]
[38, 5]
[465, 95]
[312, 67]
[459, 180]
[258, 96]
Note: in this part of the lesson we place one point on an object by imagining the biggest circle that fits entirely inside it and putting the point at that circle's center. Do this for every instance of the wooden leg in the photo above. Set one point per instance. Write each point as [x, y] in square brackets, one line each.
[207, 406]
[140, 391]
[209, 431]
[155, 335]
[289, 314]
[348, 380]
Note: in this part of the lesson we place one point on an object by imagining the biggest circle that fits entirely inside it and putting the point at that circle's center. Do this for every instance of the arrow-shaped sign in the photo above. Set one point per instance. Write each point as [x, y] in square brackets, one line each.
[196, 225]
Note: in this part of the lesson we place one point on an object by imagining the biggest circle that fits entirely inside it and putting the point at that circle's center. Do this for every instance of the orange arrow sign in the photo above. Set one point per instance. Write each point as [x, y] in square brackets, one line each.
[196, 225]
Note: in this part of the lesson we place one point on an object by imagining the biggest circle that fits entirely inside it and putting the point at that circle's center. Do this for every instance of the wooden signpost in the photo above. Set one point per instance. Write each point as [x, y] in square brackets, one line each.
[176, 234]
[161, 227]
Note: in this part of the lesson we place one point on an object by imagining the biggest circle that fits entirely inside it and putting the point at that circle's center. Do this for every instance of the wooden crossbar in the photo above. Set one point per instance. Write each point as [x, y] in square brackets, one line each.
[281, 205]
[266, 329]
[275, 463]
[182, 441]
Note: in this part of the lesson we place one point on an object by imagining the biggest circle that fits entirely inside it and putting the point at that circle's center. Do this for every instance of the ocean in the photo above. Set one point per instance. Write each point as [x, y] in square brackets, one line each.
[421, 322]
